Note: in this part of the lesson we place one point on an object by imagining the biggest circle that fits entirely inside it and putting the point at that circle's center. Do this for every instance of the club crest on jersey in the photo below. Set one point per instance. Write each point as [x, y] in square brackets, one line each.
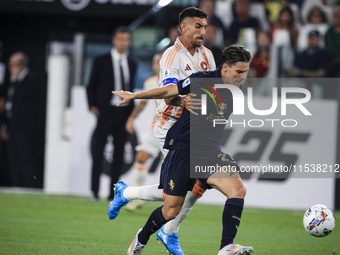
[186, 82]
[172, 185]
[204, 66]
[221, 108]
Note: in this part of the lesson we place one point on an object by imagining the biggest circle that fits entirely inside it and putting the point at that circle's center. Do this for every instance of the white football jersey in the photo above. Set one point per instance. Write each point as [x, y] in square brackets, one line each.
[176, 64]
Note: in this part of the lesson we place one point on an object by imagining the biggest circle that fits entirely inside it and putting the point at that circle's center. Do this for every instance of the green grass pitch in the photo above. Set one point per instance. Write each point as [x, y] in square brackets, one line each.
[45, 224]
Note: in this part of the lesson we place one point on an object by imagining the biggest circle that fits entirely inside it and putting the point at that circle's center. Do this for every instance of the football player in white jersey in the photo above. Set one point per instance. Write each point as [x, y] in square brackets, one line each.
[147, 147]
[185, 57]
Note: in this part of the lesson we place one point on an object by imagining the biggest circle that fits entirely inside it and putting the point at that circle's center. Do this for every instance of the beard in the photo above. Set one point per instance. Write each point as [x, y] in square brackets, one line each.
[196, 43]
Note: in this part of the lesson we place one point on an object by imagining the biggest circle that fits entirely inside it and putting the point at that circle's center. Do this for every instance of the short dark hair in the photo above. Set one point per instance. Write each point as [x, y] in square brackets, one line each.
[192, 12]
[235, 53]
[120, 29]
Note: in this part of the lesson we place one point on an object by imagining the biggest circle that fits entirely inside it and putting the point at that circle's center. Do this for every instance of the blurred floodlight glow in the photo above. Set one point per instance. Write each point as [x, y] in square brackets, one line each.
[156, 8]
[163, 3]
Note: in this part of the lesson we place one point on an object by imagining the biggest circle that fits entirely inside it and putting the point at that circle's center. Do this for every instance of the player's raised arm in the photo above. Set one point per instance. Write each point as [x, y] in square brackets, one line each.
[158, 93]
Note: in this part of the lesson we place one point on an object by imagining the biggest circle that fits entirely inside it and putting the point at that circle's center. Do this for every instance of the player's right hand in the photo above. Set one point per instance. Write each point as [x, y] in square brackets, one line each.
[127, 96]
[191, 103]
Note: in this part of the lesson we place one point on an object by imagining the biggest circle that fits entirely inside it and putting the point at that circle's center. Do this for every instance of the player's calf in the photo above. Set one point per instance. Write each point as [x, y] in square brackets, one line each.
[172, 206]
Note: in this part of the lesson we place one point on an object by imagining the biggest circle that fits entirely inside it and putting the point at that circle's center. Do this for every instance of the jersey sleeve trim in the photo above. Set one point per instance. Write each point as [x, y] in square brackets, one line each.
[170, 58]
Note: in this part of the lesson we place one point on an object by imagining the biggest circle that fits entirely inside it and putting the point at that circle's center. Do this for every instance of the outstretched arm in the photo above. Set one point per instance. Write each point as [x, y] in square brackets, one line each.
[158, 93]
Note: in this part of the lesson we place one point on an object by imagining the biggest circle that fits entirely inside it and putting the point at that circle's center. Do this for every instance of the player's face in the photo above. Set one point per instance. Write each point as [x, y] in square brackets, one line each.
[194, 30]
[234, 74]
[121, 42]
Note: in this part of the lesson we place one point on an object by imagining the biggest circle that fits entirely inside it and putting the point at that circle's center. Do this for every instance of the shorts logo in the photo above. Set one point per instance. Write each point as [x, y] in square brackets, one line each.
[204, 66]
[171, 185]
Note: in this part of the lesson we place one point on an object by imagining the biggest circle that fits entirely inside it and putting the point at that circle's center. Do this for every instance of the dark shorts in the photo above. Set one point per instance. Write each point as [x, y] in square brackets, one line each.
[203, 166]
[175, 174]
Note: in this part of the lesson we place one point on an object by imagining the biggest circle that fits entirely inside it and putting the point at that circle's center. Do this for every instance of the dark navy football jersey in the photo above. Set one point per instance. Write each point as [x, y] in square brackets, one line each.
[199, 131]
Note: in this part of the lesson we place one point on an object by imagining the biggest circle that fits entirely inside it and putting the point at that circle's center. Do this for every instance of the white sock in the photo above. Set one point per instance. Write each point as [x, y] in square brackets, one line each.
[149, 193]
[173, 225]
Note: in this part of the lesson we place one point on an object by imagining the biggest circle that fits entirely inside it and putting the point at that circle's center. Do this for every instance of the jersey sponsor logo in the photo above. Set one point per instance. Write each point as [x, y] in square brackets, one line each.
[186, 82]
[168, 81]
[187, 68]
[204, 66]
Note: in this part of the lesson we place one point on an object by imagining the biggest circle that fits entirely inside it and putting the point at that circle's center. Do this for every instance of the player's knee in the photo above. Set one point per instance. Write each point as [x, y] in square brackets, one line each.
[171, 213]
[238, 192]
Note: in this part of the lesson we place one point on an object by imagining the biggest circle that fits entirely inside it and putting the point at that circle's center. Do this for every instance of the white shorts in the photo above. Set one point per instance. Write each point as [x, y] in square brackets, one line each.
[160, 134]
[148, 144]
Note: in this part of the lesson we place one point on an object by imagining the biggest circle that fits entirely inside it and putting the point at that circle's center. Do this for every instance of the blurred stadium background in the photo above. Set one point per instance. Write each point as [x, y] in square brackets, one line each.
[63, 36]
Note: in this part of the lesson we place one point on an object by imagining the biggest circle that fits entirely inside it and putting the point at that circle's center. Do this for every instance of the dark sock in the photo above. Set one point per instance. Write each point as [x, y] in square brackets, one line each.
[154, 223]
[231, 219]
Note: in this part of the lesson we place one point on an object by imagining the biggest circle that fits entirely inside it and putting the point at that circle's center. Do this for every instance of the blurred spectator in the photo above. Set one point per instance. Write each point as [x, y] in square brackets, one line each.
[299, 3]
[273, 8]
[312, 62]
[208, 6]
[286, 21]
[169, 40]
[259, 65]
[211, 44]
[242, 20]
[115, 70]
[4, 171]
[173, 33]
[332, 42]
[316, 19]
[26, 123]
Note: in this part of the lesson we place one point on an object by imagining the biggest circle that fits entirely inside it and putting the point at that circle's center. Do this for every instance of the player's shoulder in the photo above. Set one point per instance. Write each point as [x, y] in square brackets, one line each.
[204, 74]
[172, 55]
[206, 50]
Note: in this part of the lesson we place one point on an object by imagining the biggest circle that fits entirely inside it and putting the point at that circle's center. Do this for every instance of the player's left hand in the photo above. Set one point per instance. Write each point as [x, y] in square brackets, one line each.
[192, 104]
[127, 96]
